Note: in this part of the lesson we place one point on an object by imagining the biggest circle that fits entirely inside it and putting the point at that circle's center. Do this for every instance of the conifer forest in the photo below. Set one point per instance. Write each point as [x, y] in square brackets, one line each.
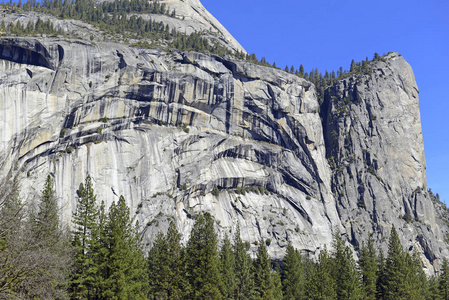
[102, 257]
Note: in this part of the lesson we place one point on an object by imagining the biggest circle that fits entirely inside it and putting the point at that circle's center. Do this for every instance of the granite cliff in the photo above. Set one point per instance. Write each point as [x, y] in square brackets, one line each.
[179, 132]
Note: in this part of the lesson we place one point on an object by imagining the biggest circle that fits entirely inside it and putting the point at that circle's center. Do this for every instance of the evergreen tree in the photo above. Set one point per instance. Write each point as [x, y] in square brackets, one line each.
[395, 269]
[368, 267]
[244, 276]
[415, 278]
[85, 221]
[380, 283]
[125, 274]
[345, 271]
[443, 281]
[47, 219]
[320, 282]
[301, 71]
[227, 269]
[292, 69]
[202, 260]
[293, 280]
[166, 266]
[352, 67]
[433, 289]
[277, 284]
[262, 266]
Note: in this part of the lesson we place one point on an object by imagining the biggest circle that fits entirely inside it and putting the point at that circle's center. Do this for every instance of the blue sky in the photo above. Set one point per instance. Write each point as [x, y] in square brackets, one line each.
[328, 34]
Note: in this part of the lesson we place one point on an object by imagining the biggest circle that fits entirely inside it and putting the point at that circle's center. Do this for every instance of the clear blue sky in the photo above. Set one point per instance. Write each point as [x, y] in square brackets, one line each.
[328, 34]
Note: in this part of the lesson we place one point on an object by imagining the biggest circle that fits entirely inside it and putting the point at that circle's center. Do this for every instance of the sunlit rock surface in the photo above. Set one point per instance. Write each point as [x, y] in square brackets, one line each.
[178, 133]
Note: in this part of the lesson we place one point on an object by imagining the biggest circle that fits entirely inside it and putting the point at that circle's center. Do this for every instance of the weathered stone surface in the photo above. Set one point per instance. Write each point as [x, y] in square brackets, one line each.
[177, 133]
[166, 129]
[375, 148]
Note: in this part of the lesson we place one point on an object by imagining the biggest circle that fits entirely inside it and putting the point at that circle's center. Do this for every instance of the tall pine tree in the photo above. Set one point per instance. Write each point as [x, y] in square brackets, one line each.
[125, 273]
[368, 266]
[443, 281]
[227, 269]
[202, 260]
[293, 280]
[345, 271]
[262, 265]
[244, 275]
[393, 284]
[166, 266]
[85, 238]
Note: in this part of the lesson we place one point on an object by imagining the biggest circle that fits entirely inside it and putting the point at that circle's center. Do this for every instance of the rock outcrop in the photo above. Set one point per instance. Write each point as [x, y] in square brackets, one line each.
[375, 147]
[177, 133]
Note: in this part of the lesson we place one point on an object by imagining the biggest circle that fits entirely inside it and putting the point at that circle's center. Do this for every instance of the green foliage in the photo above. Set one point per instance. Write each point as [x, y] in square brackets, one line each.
[263, 282]
[202, 260]
[216, 191]
[227, 269]
[108, 261]
[124, 273]
[443, 281]
[347, 277]
[47, 219]
[368, 267]
[244, 274]
[166, 266]
[320, 282]
[293, 280]
[402, 276]
[85, 242]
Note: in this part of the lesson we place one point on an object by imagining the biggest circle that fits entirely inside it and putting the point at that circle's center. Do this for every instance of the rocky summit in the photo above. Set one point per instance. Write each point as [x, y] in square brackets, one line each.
[180, 132]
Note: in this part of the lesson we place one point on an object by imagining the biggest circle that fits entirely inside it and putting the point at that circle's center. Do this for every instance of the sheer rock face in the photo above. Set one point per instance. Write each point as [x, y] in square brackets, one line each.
[177, 133]
[165, 130]
[375, 147]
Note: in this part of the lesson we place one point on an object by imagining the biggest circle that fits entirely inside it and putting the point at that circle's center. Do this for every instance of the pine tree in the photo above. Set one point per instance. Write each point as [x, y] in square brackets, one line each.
[166, 266]
[277, 284]
[395, 269]
[301, 71]
[227, 269]
[85, 221]
[352, 67]
[47, 219]
[244, 276]
[443, 281]
[262, 266]
[380, 283]
[345, 271]
[433, 289]
[368, 266]
[125, 274]
[293, 280]
[292, 69]
[202, 260]
[415, 278]
[320, 282]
